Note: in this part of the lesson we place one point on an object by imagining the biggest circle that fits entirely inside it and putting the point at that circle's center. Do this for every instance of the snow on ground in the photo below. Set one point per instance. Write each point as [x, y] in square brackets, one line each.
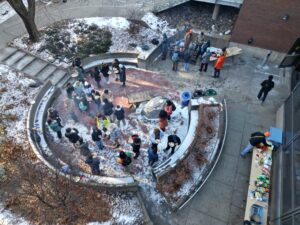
[121, 38]
[6, 11]
[8, 218]
[15, 100]
[158, 24]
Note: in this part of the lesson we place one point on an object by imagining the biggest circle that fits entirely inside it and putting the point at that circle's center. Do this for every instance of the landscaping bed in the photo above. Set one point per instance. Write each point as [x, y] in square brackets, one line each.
[178, 183]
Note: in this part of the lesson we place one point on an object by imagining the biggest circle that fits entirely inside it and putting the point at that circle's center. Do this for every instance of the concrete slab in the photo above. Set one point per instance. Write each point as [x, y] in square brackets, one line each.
[35, 67]
[233, 143]
[57, 76]
[24, 62]
[236, 215]
[225, 169]
[239, 198]
[46, 72]
[197, 218]
[6, 52]
[218, 196]
[241, 182]
[14, 58]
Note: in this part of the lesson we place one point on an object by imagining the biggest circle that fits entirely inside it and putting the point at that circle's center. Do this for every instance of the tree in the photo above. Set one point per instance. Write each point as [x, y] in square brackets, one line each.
[27, 15]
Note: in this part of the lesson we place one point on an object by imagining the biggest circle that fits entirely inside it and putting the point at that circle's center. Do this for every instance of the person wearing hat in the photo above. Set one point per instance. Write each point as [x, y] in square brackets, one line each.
[122, 74]
[218, 65]
[266, 86]
[97, 137]
[173, 141]
[205, 60]
[120, 115]
[256, 139]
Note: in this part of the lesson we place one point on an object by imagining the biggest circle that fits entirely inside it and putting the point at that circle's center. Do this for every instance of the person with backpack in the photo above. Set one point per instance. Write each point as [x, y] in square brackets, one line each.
[97, 137]
[173, 142]
[205, 60]
[124, 158]
[266, 86]
[135, 143]
[54, 125]
[256, 140]
[120, 115]
[73, 137]
[152, 155]
[95, 73]
[122, 74]
[175, 59]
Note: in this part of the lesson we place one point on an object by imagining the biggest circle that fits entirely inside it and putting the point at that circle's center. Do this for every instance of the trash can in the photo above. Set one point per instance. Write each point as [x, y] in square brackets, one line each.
[185, 98]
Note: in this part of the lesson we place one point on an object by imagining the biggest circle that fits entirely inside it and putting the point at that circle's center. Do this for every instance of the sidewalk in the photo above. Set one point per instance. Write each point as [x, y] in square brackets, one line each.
[222, 199]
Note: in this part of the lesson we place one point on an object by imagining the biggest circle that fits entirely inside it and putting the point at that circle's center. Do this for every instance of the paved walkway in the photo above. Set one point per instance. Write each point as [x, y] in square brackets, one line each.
[221, 201]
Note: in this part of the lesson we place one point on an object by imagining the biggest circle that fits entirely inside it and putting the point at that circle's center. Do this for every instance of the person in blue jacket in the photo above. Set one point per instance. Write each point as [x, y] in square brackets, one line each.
[152, 154]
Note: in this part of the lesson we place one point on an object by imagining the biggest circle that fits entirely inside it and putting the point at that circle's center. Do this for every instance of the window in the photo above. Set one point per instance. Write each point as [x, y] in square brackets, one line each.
[296, 110]
[296, 158]
[288, 134]
[287, 180]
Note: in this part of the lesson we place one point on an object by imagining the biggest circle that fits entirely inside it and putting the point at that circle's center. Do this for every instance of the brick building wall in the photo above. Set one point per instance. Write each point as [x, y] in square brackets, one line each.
[262, 20]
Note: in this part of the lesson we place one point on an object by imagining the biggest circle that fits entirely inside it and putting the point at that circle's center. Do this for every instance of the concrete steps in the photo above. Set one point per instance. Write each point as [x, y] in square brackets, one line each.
[33, 66]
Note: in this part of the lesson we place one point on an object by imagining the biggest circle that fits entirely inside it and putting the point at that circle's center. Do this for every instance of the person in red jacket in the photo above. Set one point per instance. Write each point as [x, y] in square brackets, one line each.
[218, 65]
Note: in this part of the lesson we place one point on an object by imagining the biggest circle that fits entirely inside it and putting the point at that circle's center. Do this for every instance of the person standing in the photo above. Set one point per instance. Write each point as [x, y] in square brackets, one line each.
[188, 37]
[218, 65]
[116, 69]
[94, 163]
[122, 74]
[266, 86]
[199, 42]
[164, 47]
[173, 141]
[205, 60]
[186, 58]
[104, 71]
[97, 100]
[256, 139]
[69, 90]
[96, 137]
[135, 143]
[152, 155]
[73, 137]
[108, 109]
[95, 73]
[53, 115]
[120, 115]
[107, 94]
[54, 125]
[169, 107]
[175, 58]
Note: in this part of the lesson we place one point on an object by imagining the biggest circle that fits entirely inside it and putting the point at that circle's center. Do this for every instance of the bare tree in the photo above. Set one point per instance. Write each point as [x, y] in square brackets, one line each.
[27, 15]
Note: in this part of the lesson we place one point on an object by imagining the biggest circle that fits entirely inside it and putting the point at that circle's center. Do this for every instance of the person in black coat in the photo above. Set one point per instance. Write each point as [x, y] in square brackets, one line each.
[122, 74]
[72, 135]
[256, 139]
[96, 137]
[69, 90]
[173, 141]
[54, 115]
[108, 109]
[104, 71]
[120, 115]
[136, 145]
[95, 73]
[266, 86]
[94, 163]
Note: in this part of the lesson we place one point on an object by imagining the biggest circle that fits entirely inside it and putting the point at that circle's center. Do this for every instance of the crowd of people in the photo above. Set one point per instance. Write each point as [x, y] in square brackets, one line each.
[109, 120]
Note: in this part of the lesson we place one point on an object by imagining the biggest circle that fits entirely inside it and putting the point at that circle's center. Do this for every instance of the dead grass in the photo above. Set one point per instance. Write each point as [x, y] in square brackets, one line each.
[42, 197]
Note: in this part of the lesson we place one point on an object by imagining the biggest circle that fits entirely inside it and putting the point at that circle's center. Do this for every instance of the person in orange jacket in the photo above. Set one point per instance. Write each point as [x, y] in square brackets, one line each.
[219, 65]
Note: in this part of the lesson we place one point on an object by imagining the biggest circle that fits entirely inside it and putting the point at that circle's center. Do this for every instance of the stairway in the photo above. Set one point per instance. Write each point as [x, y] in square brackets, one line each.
[33, 67]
